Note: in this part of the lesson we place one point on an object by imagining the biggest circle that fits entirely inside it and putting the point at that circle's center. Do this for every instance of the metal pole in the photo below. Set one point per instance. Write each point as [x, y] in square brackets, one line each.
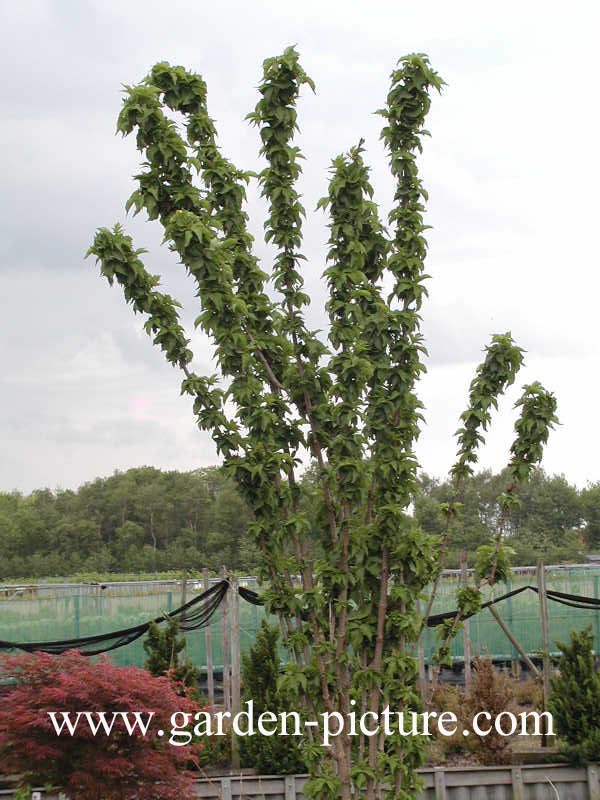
[514, 641]
[76, 615]
[466, 625]
[235, 669]
[541, 579]
[208, 647]
[225, 644]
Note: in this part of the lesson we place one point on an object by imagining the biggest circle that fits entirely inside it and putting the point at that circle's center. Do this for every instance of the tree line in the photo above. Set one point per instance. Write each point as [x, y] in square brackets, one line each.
[147, 520]
[553, 520]
[142, 520]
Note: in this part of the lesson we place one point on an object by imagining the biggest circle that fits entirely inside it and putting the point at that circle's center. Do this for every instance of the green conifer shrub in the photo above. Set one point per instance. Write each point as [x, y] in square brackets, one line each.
[261, 666]
[163, 646]
[575, 699]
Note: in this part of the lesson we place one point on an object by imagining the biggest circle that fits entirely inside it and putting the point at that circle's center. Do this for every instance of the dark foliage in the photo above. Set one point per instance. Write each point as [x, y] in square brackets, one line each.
[165, 649]
[142, 520]
[575, 699]
[261, 667]
[145, 520]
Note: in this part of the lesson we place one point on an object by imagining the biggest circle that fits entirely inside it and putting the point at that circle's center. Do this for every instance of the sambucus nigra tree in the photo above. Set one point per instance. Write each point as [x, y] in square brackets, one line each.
[281, 390]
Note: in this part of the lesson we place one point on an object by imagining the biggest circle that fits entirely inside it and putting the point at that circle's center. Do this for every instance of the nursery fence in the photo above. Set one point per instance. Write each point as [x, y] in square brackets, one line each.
[65, 611]
[521, 613]
[68, 611]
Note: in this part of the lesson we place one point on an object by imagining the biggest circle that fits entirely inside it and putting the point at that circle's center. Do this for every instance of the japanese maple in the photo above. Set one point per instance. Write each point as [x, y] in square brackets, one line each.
[84, 765]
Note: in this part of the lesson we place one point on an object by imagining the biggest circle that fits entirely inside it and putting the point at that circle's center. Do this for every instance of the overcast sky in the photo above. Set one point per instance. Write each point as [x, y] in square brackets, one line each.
[512, 169]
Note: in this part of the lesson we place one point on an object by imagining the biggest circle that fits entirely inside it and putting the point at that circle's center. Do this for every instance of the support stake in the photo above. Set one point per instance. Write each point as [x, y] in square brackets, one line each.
[514, 641]
[208, 647]
[541, 578]
[235, 668]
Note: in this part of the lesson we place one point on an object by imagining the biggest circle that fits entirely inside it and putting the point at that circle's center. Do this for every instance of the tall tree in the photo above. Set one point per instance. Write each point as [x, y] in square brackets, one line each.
[281, 391]
[547, 522]
[550, 508]
[590, 503]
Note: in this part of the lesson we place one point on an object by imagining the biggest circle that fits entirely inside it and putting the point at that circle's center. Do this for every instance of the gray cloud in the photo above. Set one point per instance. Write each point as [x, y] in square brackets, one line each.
[511, 171]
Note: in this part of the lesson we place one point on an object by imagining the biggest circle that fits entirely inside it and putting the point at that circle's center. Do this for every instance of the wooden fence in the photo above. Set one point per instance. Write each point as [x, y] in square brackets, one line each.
[533, 782]
[527, 782]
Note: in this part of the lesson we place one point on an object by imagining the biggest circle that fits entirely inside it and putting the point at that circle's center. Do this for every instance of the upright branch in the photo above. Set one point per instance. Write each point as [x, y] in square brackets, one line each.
[207, 229]
[536, 419]
[276, 117]
[357, 248]
[493, 377]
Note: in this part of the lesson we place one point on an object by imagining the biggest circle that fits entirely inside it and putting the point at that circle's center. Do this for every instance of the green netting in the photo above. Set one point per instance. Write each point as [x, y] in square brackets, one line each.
[51, 614]
[63, 612]
[522, 614]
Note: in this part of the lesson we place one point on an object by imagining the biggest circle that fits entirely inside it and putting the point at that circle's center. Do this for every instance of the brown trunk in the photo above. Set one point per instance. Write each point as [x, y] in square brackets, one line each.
[372, 790]
[152, 536]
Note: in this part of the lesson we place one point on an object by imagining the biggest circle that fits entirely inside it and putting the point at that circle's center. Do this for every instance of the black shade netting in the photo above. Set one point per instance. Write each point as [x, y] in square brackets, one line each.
[194, 614]
[573, 600]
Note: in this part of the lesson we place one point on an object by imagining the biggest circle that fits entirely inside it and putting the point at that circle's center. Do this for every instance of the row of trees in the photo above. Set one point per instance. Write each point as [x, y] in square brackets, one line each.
[145, 520]
[553, 519]
[142, 520]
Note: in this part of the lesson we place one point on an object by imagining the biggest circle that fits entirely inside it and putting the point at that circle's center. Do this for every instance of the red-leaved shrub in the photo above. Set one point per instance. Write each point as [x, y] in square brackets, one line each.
[118, 766]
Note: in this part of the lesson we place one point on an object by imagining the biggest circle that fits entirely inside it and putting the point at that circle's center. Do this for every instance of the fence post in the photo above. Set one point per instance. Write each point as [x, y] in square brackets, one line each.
[593, 782]
[421, 659]
[208, 648]
[235, 668]
[518, 787]
[225, 643]
[226, 793]
[466, 625]
[290, 787]
[183, 602]
[439, 778]
[183, 591]
[541, 580]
